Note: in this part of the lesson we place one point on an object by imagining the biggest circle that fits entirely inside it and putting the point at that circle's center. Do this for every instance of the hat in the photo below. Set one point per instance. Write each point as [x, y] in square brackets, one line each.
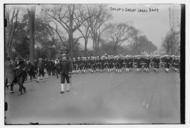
[63, 55]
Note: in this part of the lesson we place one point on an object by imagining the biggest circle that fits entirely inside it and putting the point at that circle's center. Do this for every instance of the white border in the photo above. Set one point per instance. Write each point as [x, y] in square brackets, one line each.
[187, 2]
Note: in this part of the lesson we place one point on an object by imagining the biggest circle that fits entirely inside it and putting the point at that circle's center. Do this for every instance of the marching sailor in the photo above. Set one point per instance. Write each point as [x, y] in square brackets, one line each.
[65, 72]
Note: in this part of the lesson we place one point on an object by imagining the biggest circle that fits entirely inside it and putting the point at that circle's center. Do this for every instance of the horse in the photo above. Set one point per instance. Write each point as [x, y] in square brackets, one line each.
[19, 79]
[15, 76]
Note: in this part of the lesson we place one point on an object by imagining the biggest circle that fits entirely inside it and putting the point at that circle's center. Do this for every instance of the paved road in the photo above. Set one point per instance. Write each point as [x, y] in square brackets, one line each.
[99, 98]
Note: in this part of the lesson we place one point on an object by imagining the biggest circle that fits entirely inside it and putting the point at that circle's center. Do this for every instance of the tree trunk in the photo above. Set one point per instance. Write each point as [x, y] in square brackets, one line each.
[95, 44]
[115, 49]
[32, 34]
[71, 33]
[71, 44]
[85, 47]
[8, 52]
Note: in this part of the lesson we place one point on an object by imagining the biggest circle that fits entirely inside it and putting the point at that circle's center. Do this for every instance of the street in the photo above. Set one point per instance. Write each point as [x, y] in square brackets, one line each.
[98, 98]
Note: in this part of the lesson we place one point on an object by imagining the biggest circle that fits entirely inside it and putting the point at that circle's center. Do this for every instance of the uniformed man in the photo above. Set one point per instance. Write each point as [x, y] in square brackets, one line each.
[31, 70]
[176, 63]
[9, 73]
[156, 63]
[65, 71]
[166, 62]
[57, 72]
[40, 69]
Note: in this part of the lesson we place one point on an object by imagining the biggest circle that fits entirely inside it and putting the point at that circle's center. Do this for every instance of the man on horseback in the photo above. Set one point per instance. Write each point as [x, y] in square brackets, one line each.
[21, 75]
[9, 73]
[16, 73]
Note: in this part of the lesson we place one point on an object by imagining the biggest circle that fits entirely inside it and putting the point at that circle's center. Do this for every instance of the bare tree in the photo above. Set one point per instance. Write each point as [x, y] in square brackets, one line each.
[85, 32]
[118, 34]
[99, 15]
[142, 45]
[85, 29]
[11, 16]
[60, 35]
[69, 17]
[171, 43]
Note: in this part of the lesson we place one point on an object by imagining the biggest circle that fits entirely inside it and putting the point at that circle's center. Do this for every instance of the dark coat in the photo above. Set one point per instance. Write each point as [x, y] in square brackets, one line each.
[65, 67]
[9, 71]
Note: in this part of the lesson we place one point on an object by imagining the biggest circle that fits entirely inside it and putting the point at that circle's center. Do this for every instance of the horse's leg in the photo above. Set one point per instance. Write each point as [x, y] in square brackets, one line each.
[30, 76]
[24, 88]
[19, 81]
[25, 79]
[12, 85]
[22, 83]
[6, 83]
[20, 88]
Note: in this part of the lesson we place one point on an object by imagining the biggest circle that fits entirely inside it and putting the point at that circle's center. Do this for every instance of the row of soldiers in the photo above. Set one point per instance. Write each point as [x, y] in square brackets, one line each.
[101, 63]
[106, 63]
[37, 70]
[126, 63]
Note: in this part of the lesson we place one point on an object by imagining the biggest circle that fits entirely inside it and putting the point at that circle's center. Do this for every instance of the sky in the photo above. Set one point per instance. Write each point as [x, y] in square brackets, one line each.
[155, 24]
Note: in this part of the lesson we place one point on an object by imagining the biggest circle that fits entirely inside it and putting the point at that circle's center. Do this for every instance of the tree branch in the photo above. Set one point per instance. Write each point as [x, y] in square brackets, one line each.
[60, 22]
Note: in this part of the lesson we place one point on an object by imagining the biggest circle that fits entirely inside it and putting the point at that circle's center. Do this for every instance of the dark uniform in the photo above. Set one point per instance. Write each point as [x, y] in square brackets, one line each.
[176, 63]
[41, 68]
[9, 73]
[65, 70]
[57, 68]
[31, 70]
